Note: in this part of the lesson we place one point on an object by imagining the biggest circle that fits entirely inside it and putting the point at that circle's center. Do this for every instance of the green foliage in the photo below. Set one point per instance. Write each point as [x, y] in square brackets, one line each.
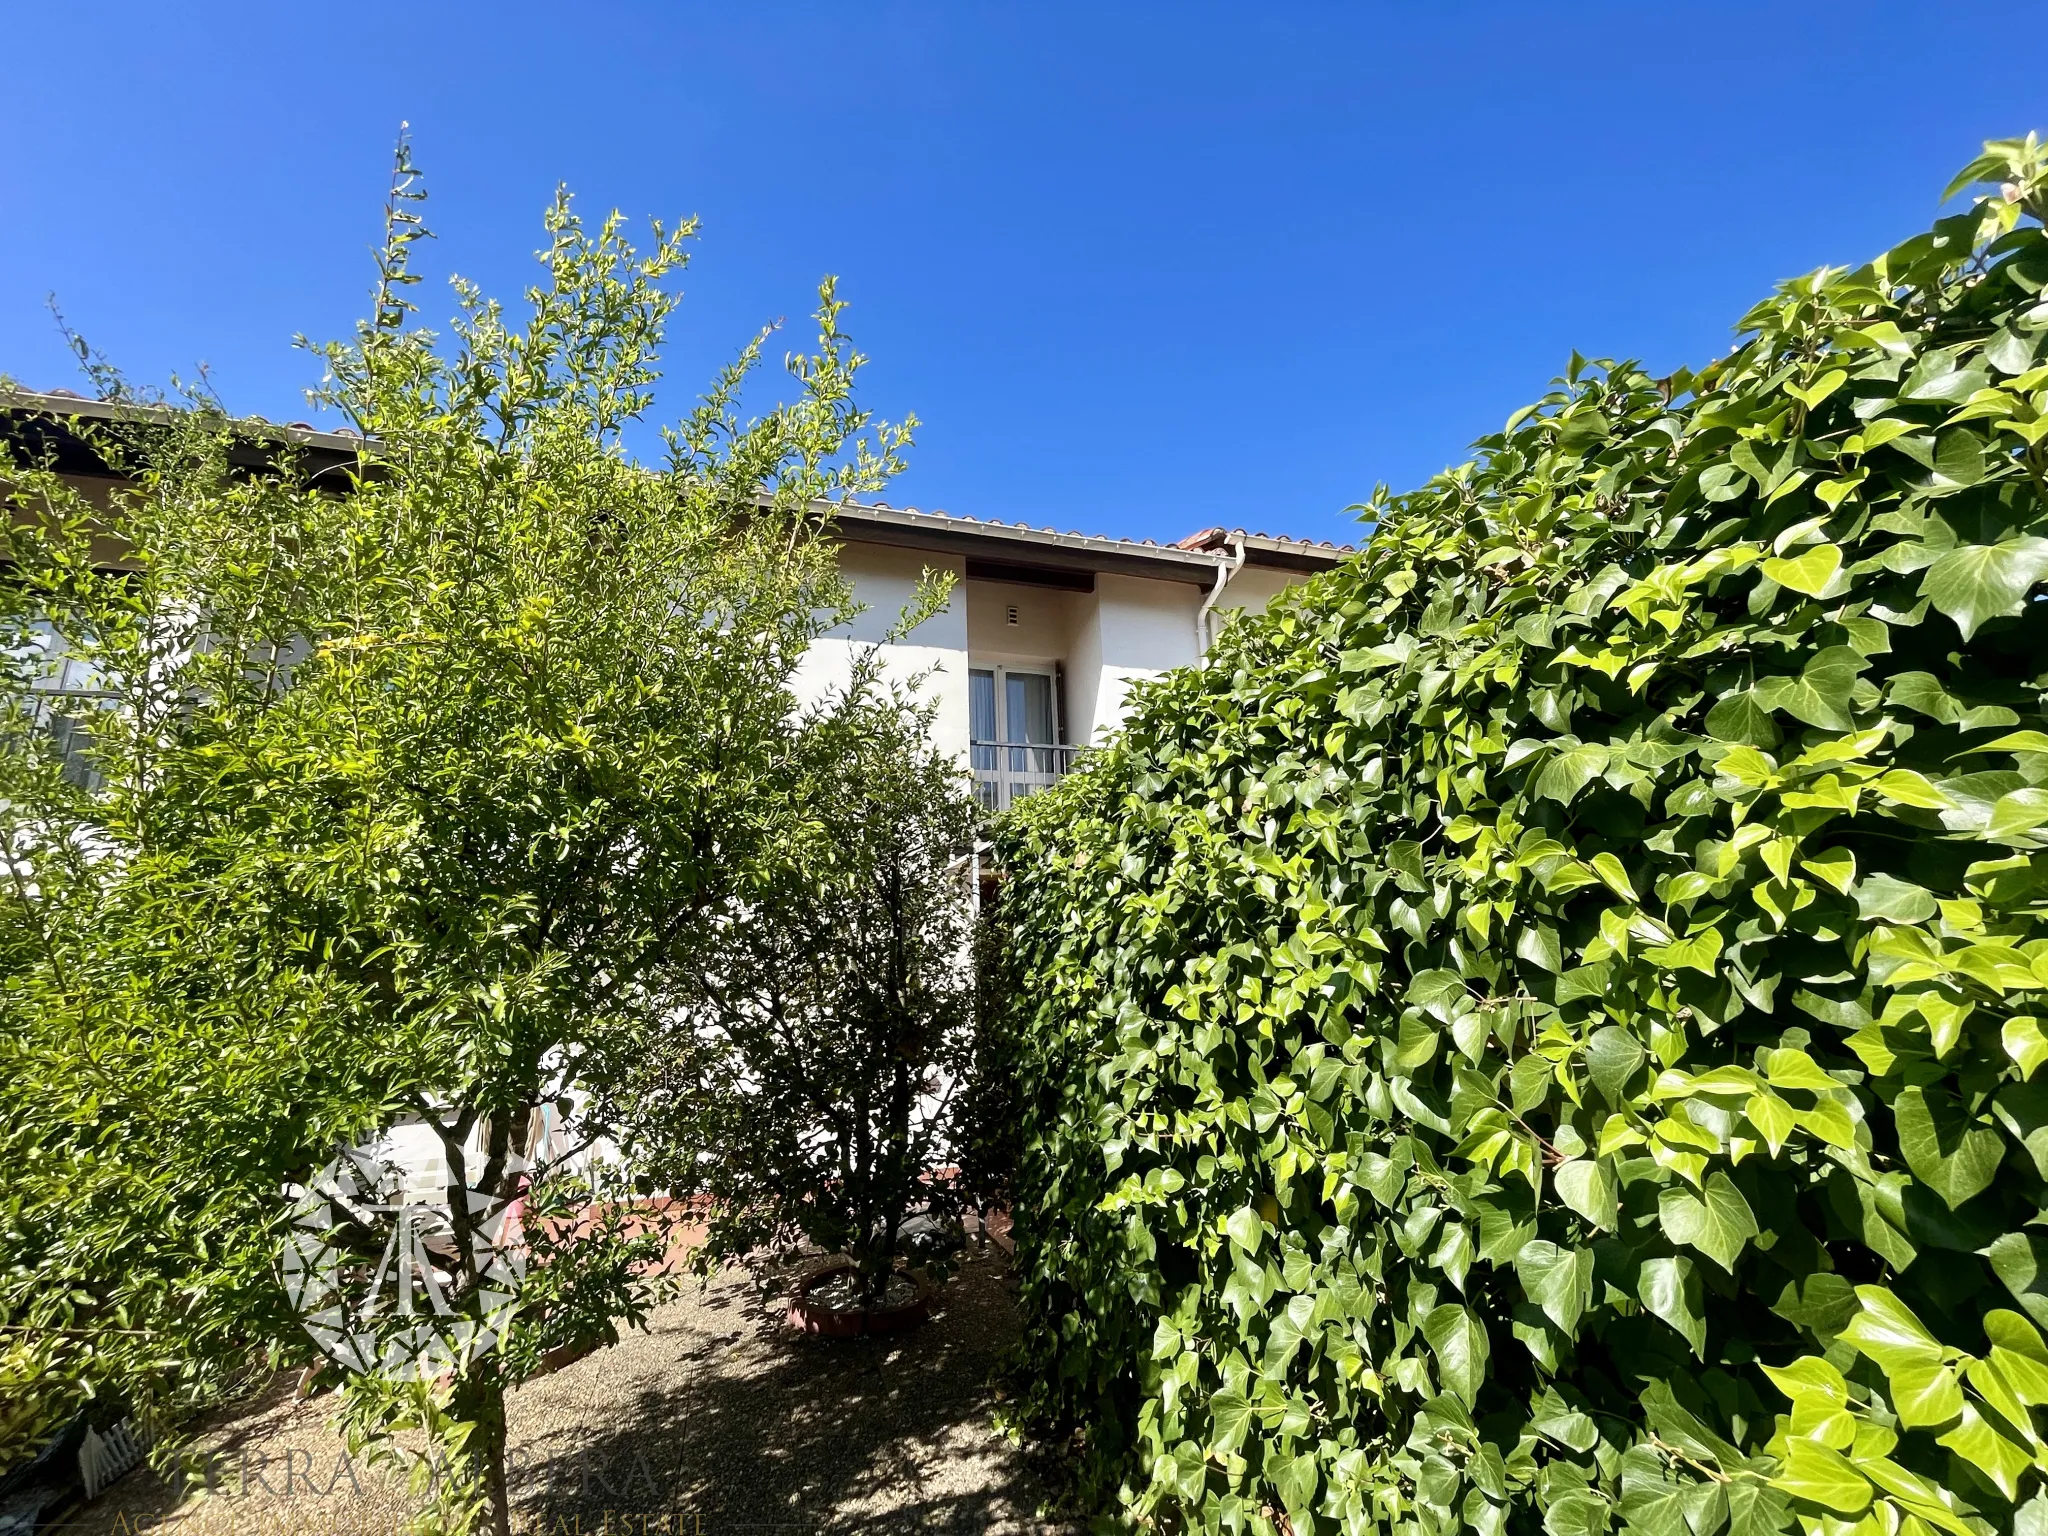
[808, 1079]
[411, 785]
[1542, 1028]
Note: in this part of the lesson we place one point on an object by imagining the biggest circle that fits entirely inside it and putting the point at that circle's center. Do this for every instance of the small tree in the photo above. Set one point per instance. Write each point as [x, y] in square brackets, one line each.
[808, 1082]
[411, 789]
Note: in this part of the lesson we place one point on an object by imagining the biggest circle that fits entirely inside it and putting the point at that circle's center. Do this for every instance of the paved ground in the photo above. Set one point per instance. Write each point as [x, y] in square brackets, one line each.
[719, 1419]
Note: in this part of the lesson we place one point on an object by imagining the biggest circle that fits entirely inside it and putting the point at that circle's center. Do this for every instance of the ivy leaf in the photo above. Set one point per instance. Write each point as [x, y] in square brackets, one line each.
[1670, 1288]
[1538, 944]
[1991, 1452]
[1230, 1419]
[1956, 464]
[1571, 771]
[1718, 1223]
[1723, 482]
[1551, 1415]
[1284, 1335]
[1924, 1395]
[1820, 694]
[1820, 1303]
[1821, 1476]
[1246, 1229]
[1756, 1509]
[1887, 899]
[1887, 1331]
[1612, 1057]
[1743, 719]
[1653, 1509]
[1810, 572]
[1588, 1189]
[1981, 582]
[1578, 1513]
[1949, 1153]
[1559, 1280]
[1460, 1345]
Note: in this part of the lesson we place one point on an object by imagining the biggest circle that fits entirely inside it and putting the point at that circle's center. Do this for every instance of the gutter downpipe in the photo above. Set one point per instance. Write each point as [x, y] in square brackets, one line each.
[1225, 569]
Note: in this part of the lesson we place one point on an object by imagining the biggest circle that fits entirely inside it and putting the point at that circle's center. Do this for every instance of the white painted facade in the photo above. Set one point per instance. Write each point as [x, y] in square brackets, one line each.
[1045, 635]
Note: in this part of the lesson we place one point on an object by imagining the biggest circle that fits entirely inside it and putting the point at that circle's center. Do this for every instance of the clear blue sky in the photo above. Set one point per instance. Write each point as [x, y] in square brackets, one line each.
[1139, 267]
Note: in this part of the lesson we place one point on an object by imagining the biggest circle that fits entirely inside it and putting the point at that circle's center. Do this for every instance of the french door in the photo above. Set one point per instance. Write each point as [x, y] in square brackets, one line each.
[1012, 715]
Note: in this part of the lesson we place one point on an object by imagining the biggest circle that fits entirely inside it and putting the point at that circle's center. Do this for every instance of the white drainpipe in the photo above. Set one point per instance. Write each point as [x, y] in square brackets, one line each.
[1226, 569]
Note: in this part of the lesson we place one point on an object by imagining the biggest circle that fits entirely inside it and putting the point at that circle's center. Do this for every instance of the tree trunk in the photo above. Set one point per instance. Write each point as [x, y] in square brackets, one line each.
[480, 1400]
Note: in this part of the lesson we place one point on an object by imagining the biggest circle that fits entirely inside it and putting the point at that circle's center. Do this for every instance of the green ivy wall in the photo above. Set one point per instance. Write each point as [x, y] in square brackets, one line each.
[1544, 1030]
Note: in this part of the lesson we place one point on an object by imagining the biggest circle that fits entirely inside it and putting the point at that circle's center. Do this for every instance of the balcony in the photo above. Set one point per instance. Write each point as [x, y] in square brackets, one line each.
[1012, 733]
[1005, 772]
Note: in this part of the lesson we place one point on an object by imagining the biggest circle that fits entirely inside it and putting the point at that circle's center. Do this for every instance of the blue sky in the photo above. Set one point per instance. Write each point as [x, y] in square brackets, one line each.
[1140, 268]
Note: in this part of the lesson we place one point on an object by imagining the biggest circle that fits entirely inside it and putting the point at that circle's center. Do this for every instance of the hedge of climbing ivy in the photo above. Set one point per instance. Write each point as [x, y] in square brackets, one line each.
[1545, 1029]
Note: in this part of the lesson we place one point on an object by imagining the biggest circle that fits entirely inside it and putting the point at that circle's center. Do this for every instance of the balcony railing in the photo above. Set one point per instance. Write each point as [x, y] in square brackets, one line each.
[1006, 771]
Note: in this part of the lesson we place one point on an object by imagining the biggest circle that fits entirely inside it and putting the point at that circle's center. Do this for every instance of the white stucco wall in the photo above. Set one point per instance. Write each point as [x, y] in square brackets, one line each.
[1139, 629]
[933, 656]
[1252, 588]
[1128, 629]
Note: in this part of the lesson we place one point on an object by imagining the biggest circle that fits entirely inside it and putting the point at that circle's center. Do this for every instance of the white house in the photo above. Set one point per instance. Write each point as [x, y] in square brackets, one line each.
[1031, 660]
[1045, 632]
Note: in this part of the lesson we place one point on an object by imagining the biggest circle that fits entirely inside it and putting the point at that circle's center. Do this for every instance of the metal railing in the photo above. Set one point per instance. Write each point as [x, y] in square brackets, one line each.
[1007, 771]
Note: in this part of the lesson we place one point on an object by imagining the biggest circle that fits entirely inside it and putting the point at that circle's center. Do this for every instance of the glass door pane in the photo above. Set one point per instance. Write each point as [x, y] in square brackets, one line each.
[1027, 708]
[981, 718]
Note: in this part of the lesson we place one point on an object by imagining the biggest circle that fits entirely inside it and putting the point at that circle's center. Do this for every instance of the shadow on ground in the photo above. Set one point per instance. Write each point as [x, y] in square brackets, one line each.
[717, 1420]
[755, 1429]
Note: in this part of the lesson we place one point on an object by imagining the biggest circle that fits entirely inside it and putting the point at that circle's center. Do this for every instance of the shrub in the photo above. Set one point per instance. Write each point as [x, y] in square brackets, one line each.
[805, 1079]
[1540, 1029]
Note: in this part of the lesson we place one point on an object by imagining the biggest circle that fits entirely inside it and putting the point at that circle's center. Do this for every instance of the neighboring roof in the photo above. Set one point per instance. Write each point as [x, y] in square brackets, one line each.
[1194, 559]
[1270, 548]
[41, 415]
[999, 551]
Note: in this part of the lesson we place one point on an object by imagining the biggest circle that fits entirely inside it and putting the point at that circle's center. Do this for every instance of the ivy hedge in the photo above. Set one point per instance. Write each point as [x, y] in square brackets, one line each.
[1542, 1029]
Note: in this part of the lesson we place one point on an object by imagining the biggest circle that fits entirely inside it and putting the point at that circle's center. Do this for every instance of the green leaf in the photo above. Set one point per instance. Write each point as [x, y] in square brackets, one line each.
[1718, 1222]
[1285, 1333]
[1559, 1280]
[1459, 1343]
[1821, 1476]
[1887, 1331]
[1723, 482]
[1230, 1419]
[1610, 870]
[1948, 1152]
[1588, 1188]
[1551, 1415]
[1538, 944]
[1820, 694]
[1810, 573]
[1246, 1229]
[1670, 1289]
[1989, 1450]
[1578, 1513]
[1924, 1395]
[1883, 898]
[1742, 718]
[1613, 1056]
[1756, 1509]
[1981, 582]
[1569, 772]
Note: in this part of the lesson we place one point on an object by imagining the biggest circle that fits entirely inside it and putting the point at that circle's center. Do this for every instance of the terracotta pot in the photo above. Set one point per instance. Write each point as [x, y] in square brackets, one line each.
[831, 1323]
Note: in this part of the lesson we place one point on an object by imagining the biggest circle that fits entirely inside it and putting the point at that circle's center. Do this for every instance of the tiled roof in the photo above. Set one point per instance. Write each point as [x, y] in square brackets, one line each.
[875, 520]
[1208, 542]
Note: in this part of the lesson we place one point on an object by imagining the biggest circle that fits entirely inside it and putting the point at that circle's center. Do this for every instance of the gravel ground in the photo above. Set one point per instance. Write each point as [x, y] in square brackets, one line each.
[718, 1419]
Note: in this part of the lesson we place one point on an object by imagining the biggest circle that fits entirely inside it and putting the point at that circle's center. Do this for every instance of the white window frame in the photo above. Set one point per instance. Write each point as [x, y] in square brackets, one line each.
[1020, 768]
